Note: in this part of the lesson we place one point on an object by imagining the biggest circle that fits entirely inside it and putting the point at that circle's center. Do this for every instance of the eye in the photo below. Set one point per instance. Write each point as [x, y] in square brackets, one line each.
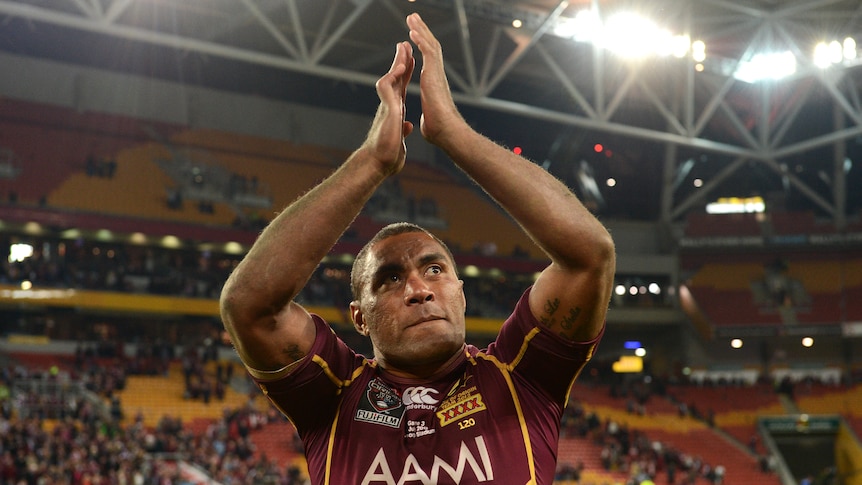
[434, 270]
[392, 278]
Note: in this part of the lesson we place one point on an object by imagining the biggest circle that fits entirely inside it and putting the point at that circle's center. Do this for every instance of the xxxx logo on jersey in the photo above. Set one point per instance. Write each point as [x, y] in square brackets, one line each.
[460, 405]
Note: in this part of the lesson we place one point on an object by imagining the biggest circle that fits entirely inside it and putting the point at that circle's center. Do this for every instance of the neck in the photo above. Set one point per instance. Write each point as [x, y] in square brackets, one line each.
[427, 370]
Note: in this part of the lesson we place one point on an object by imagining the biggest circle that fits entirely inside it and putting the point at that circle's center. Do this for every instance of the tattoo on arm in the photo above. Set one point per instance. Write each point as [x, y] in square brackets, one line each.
[569, 320]
[294, 353]
[551, 307]
[566, 321]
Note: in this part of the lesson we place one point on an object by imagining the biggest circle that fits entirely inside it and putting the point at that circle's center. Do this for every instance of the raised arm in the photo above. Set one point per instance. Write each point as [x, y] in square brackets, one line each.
[572, 294]
[268, 329]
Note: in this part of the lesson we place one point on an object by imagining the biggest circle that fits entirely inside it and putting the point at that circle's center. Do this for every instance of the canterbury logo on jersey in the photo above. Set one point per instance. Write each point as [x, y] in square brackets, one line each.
[419, 396]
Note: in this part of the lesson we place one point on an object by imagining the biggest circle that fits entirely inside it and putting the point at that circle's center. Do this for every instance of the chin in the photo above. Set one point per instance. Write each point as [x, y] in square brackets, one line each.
[437, 347]
[437, 330]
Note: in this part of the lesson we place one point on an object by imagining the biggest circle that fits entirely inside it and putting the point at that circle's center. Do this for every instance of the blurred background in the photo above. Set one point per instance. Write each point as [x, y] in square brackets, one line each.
[145, 143]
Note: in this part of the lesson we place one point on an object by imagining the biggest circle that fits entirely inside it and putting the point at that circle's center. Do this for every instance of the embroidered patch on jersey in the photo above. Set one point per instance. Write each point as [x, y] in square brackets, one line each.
[420, 397]
[380, 405]
[461, 405]
[459, 384]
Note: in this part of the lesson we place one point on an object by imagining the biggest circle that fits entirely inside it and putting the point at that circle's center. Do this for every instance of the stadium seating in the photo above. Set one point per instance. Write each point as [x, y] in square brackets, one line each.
[141, 178]
[664, 426]
[792, 223]
[822, 289]
[137, 189]
[138, 398]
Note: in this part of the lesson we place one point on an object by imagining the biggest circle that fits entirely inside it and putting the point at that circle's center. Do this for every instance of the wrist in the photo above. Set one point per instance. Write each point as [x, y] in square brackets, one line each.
[369, 160]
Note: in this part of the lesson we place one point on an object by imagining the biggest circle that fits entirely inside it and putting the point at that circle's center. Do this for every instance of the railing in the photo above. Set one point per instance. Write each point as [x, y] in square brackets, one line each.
[52, 398]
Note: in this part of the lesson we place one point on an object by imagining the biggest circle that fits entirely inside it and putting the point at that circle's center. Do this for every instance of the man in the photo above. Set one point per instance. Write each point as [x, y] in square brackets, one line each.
[427, 409]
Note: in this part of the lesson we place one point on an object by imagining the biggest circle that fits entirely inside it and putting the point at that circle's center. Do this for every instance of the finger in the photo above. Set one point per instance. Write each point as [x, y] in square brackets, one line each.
[420, 33]
[398, 55]
[402, 63]
[407, 76]
[408, 50]
[388, 89]
[417, 26]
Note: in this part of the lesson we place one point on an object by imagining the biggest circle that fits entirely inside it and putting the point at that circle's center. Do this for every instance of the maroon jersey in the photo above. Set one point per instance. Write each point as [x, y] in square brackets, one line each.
[491, 417]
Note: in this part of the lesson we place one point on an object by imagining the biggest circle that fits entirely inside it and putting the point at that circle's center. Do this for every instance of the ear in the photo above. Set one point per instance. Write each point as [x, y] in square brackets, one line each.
[358, 318]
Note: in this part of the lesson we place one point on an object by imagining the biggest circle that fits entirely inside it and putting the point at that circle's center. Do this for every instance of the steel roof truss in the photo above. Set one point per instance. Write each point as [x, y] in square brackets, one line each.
[567, 83]
[274, 31]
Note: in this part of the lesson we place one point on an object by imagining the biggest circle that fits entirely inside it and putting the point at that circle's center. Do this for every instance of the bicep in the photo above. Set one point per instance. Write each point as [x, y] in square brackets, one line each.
[571, 304]
[269, 342]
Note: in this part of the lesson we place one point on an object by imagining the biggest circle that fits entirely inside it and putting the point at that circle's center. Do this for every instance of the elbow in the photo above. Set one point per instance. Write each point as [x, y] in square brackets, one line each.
[236, 301]
[606, 264]
[601, 262]
[241, 316]
[601, 255]
[229, 301]
[230, 293]
[248, 298]
[592, 252]
[607, 251]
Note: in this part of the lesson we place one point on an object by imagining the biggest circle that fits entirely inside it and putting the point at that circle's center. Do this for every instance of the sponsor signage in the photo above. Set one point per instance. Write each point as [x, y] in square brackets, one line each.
[853, 238]
[802, 423]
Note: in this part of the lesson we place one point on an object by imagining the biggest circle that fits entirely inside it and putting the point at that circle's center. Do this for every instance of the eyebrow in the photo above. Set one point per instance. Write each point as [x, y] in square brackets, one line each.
[432, 257]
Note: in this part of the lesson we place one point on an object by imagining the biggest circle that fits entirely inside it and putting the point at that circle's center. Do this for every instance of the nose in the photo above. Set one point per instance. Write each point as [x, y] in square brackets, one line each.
[417, 291]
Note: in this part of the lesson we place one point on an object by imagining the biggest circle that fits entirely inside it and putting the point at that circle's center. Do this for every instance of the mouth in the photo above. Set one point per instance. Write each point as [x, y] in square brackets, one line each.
[427, 319]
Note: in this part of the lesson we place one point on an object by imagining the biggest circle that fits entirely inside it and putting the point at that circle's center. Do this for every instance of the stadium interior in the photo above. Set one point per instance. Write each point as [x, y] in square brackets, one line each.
[144, 144]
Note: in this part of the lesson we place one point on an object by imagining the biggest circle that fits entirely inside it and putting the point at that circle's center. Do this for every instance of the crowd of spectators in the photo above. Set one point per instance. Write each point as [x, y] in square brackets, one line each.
[134, 269]
[632, 452]
[50, 434]
[80, 264]
[190, 273]
[128, 268]
[100, 167]
[199, 383]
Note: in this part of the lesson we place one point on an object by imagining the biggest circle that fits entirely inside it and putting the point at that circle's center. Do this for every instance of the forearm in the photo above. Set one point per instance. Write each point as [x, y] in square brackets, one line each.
[544, 207]
[570, 296]
[257, 304]
[290, 248]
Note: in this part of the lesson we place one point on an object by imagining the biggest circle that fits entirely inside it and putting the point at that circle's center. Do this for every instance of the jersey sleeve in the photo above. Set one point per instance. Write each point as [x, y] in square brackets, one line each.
[308, 395]
[545, 361]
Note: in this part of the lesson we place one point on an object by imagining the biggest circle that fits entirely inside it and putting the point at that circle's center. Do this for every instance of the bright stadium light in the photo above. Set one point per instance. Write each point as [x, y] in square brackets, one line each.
[850, 52]
[19, 252]
[698, 51]
[776, 65]
[626, 34]
[631, 35]
[827, 54]
[585, 27]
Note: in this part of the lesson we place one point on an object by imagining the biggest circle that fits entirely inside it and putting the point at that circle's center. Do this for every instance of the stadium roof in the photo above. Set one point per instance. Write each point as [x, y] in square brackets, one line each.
[675, 131]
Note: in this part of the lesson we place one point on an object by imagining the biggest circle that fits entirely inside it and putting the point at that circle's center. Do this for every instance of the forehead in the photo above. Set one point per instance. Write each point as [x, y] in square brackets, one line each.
[403, 248]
